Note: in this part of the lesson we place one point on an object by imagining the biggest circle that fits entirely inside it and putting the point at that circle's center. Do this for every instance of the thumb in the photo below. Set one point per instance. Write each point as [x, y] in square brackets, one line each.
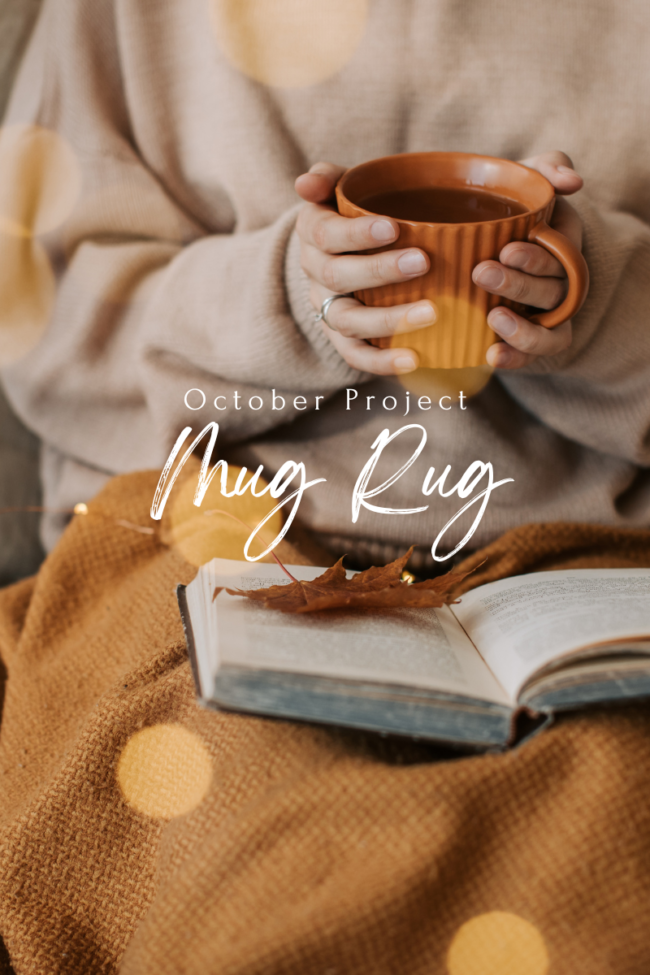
[317, 186]
[558, 169]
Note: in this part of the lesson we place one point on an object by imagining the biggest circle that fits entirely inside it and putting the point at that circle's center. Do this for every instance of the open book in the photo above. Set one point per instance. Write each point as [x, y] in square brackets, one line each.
[542, 642]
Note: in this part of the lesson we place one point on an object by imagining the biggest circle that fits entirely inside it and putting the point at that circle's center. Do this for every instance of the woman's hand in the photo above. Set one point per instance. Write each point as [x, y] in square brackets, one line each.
[328, 242]
[524, 272]
[527, 273]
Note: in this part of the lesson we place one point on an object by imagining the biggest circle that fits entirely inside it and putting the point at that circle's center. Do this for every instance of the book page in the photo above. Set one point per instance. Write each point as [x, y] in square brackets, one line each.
[415, 647]
[521, 624]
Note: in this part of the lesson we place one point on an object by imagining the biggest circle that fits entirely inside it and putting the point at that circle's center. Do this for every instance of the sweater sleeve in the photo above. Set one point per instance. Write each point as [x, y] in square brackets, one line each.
[597, 393]
[151, 300]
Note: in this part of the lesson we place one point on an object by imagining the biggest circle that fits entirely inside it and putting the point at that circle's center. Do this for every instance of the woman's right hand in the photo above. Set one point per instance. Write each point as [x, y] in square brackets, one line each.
[328, 242]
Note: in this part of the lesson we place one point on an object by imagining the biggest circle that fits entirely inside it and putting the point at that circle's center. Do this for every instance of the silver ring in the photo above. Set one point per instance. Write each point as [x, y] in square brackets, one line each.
[325, 307]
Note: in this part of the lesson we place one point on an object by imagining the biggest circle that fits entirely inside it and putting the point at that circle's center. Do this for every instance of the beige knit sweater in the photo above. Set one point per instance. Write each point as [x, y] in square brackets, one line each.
[179, 264]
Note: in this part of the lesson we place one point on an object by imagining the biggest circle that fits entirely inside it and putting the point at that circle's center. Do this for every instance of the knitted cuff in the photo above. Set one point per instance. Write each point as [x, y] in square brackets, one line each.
[304, 314]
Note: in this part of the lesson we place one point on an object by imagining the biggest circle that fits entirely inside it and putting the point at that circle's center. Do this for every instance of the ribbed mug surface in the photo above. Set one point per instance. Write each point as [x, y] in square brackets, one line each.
[461, 335]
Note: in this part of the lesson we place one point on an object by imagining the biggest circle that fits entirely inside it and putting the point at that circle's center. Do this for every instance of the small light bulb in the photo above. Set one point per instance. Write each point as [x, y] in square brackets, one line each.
[80, 508]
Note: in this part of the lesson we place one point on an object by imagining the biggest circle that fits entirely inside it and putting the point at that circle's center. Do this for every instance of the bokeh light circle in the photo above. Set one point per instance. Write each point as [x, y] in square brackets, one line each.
[497, 943]
[164, 771]
[27, 293]
[435, 383]
[40, 180]
[289, 43]
[40, 183]
[220, 527]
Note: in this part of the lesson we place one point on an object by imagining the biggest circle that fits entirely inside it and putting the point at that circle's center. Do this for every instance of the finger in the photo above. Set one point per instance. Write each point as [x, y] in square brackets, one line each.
[540, 292]
[526, 337]
[352, 319]
[334, 234]
[502, 356]
[366, 358]
[354, 273]
[558, 169]
[317, 186]
[532, 259]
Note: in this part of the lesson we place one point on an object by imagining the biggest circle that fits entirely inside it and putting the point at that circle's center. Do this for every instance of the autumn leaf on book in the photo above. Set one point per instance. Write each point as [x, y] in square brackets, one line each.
[375, 588]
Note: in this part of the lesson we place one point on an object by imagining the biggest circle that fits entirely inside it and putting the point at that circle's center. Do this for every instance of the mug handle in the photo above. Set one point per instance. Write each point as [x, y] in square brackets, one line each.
[576, 270]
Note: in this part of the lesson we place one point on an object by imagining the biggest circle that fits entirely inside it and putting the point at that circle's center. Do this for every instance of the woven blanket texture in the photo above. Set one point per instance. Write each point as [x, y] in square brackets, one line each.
[143, 835]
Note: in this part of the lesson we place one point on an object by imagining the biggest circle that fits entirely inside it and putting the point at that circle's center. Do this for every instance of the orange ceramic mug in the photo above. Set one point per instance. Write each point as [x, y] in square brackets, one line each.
[461, 335]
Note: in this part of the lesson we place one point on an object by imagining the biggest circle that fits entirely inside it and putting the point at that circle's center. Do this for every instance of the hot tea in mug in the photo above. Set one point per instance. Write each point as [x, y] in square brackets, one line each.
[460, 209]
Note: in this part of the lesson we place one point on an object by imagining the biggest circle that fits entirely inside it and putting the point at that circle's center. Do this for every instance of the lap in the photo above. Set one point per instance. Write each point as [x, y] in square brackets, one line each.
[145, 834]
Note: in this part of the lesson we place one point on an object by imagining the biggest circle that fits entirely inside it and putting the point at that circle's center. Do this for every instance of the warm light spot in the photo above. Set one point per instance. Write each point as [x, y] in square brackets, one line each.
[40, 180]
[436, 383]
[27, 292]
[497, 943]
[164, 771]
[459, 338]
[80, 508]
[214, 530]
[289, 43]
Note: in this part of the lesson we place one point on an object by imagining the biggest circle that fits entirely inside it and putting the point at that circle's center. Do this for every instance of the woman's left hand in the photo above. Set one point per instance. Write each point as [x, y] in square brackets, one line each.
[527, 273]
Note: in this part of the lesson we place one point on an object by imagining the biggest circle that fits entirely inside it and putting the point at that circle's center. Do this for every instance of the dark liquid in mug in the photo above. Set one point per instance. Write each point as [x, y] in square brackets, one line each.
[438, 204]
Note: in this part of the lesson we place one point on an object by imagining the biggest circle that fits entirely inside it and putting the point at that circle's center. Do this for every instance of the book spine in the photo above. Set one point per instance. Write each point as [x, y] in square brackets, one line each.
[526, 724]
[189, 638]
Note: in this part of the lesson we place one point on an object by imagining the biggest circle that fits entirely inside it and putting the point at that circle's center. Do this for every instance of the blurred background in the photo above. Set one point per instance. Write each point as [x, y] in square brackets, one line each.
[20, 548]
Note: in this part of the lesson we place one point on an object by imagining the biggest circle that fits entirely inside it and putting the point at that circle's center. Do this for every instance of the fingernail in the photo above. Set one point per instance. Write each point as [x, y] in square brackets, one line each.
[566, 170]
[422, 314]
[490, 277]
[503, 323]
[382, 230]
[412, 263]
[405, 363]
[517, 259]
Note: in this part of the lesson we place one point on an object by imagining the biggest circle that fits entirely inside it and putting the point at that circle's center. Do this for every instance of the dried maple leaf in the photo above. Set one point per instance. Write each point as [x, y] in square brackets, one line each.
[375, 588]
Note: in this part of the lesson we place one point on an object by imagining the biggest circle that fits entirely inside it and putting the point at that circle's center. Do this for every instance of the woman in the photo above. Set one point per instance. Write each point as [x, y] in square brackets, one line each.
[186, 264]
